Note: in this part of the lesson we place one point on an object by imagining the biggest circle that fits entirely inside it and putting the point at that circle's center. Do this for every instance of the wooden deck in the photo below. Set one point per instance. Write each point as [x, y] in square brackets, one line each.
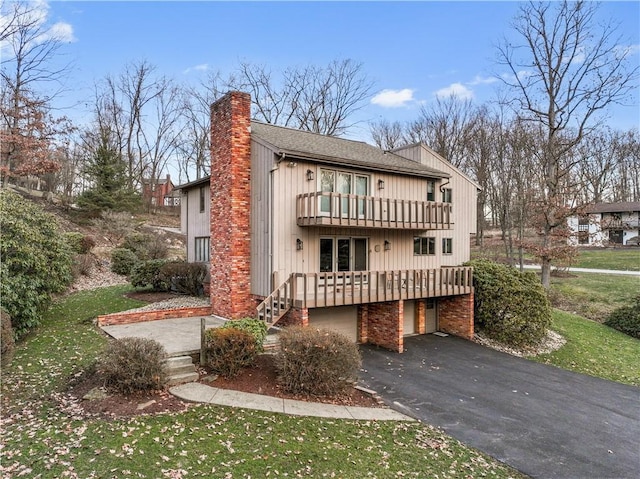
[319, 290]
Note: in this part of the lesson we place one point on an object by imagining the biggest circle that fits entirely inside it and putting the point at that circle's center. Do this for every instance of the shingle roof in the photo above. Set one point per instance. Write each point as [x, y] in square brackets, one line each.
[338, 151]
[621, 207]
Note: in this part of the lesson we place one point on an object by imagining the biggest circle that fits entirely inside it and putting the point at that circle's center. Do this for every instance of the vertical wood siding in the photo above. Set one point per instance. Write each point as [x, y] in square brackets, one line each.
[193, 223]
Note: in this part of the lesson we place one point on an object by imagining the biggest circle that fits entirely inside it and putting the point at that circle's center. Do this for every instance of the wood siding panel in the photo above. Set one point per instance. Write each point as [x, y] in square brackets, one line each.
[194, 223]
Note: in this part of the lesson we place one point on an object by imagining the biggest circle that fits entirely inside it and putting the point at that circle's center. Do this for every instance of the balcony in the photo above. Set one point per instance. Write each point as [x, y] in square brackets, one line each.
[345, 210]
[319, 290]
[618, 224]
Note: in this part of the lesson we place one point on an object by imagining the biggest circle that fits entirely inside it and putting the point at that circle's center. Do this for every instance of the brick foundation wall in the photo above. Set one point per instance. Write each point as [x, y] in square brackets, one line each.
[385, 325]
[455, 315]
[230, 209]
[295, 317]
[137, 317]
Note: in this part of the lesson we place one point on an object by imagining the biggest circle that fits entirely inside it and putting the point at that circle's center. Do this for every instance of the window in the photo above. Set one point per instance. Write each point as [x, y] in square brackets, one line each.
[423, 246]
[344, 183]
[202, 249]
[431, 190]
[447, 245]
[343, 254]
[202, 188]
[447, 195]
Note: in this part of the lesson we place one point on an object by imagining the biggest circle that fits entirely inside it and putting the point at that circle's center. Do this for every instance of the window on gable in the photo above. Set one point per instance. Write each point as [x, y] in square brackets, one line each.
[424, 246]
[202, 248]
[202, 198]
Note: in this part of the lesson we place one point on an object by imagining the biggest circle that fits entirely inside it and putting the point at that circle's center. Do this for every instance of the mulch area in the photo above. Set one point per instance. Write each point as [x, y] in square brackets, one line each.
[261, 378]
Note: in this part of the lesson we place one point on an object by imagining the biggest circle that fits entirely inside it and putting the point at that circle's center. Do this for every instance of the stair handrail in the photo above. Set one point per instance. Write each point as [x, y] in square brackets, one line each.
[278, 303]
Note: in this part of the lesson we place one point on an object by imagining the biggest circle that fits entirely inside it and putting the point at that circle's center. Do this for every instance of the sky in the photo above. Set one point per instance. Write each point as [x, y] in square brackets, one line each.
[412, 51]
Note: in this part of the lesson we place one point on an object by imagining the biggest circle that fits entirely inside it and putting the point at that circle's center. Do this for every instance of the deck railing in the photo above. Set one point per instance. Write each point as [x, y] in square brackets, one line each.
[317, 290]
[337, 209]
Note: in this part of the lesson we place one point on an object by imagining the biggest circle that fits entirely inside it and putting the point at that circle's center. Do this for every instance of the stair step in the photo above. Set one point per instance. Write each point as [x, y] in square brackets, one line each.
[176, 379]
[178, 361]
[188, 368]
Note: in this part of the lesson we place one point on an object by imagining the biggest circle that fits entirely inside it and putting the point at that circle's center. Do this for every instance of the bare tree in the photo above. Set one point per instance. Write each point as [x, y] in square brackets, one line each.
[566, 72]
[446, 126]
[318, 99]
[28, 129]
[387, 135]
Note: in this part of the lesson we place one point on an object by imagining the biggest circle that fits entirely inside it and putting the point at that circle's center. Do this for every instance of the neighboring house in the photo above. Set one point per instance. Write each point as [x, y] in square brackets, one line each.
[301, 228]
[606, 224]
[158, 192]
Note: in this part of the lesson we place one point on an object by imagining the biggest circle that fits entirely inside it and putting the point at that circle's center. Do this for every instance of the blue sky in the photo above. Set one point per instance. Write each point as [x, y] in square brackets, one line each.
[413, 50]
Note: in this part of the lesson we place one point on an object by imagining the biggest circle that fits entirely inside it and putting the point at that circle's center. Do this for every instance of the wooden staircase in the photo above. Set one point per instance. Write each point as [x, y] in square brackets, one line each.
[278, 303]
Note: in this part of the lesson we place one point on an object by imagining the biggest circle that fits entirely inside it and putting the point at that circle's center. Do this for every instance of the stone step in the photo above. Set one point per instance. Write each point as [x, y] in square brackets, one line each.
[178, 361]
[187, 368]
[174, 380]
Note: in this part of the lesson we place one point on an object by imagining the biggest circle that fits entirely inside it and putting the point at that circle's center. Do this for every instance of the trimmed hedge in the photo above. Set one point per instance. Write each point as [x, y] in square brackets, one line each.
[123, 261]
[510, 307]
[147, 273]
[182, 277]
[626, 319]
[317, 362]
[228, 350]
[133, 364]
[255, 327]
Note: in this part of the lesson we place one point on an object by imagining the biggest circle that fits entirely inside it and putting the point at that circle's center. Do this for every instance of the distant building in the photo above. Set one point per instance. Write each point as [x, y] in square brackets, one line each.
[607, 224]
[160, 192]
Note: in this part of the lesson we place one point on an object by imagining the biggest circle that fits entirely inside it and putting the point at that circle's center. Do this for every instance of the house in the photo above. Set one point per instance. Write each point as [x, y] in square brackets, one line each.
[606, 224]
[158, 192]
[301, 228]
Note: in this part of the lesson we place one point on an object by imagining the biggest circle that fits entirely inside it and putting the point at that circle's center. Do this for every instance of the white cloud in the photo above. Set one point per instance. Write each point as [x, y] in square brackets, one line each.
[203, 67]
[393, 98]
[63, 32]
[457, 90]
[478, 80]
[625, 51]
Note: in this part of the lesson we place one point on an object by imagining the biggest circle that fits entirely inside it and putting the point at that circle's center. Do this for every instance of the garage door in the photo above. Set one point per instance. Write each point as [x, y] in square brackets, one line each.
[343, 319]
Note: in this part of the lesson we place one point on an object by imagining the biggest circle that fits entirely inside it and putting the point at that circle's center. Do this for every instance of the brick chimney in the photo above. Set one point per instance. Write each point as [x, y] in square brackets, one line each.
[230, 290]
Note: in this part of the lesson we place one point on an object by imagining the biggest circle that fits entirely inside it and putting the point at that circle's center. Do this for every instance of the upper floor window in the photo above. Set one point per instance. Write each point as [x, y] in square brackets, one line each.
[447, 245]
[424, 246]
[334, 181]
[202, 189]
[202, 245]
[431, 190]
[447, 195]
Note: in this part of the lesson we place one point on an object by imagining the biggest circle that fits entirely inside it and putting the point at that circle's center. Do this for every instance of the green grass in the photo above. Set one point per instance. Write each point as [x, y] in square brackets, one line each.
[618, 259]
[593, 295]
[45, 435]
[595, 349]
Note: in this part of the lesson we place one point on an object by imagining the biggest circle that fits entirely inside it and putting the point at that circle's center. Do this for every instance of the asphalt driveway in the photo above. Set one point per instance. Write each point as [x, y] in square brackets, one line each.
[539, 419]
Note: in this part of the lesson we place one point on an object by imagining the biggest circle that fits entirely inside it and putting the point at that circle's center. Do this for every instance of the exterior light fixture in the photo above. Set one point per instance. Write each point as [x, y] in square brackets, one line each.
[387, 245]
[381, 184]
[299, 244]
[309, 175]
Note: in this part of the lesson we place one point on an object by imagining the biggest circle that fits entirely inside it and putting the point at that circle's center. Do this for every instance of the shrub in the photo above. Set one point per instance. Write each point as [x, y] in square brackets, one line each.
[133, 364]
[228, 350]
[36, 260]
[146, 246]
[83, 264]
[7, 340]
[74, 240]
[510, 307]
[122, 261]
[255, 327]
[185, 278]
[147, 273]
[316, 362]
[626, 319]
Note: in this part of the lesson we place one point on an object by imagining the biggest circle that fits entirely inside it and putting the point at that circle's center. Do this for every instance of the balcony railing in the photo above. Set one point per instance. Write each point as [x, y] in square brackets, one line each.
[317, 290]
[337, 209]
[616, 224]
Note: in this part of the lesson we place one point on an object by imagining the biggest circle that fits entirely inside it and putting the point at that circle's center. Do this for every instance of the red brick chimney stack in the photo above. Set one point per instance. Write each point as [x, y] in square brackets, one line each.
[230, 291]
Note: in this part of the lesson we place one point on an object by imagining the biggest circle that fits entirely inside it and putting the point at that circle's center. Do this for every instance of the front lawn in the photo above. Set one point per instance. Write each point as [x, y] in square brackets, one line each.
[45, 434]
[594, 349]
[593, 295]
[627, 259]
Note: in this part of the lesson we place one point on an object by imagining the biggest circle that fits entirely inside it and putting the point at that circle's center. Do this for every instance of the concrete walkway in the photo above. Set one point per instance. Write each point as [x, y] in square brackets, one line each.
[197, 392]
[591, 270]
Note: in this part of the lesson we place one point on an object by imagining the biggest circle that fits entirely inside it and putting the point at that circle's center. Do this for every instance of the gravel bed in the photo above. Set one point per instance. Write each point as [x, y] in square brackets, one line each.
[179, 302]
[551, 343]
[100, 276]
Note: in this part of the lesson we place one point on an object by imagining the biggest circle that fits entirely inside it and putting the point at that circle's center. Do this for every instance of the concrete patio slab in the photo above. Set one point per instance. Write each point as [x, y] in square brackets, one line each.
[179, 336]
